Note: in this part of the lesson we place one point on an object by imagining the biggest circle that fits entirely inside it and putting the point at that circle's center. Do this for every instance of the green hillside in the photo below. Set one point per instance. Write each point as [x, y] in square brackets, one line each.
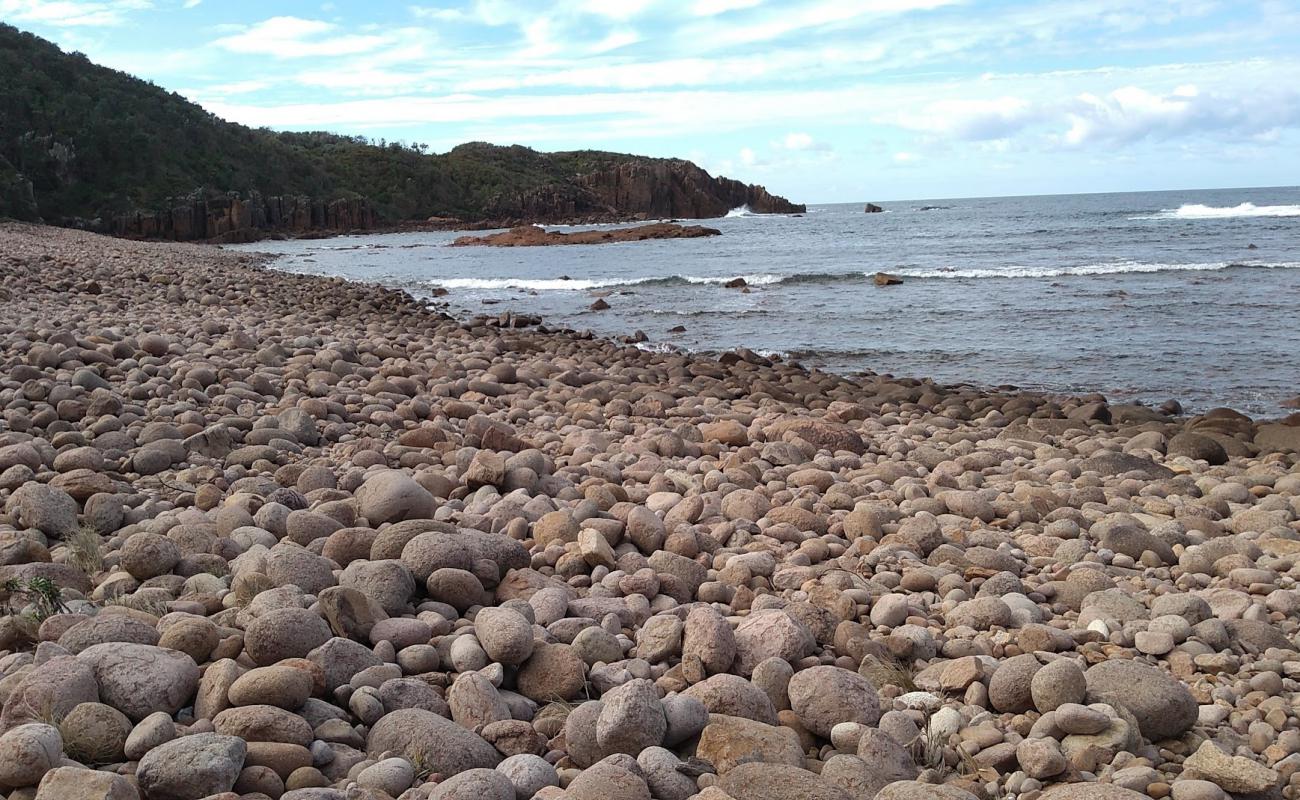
[80, 142]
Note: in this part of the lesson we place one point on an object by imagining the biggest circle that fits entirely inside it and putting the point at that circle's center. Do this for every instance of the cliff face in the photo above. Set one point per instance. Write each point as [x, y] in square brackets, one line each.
[235, 219]
[638, 189]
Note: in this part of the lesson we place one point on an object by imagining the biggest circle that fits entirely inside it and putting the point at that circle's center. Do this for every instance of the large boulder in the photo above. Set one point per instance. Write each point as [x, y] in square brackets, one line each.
[506, 635]
[729, 741]
[391, 496]
[914, 790]
[28, 752]
[1091, 791]
[48, 509]
[826, 435]
[770, 633]
[284, 633]
[757, 781]
[190, 767]
[823, 697]
[1197, 446]
[139, 679]
[553, 672]
[1162, 705]
[61, 684]
[632, 718]
[77, 783]
[436, 742]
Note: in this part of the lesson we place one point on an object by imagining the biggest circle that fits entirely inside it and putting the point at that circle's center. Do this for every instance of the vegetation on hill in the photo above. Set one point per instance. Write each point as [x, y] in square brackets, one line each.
[80, 142]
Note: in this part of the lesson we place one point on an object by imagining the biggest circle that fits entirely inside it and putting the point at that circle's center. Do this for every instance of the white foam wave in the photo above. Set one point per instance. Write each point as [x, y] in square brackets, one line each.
[741, 211]
[764, 279]
[580, 285]
[658, 347]
[1199, 211]
[538, 285]
[1108, 268]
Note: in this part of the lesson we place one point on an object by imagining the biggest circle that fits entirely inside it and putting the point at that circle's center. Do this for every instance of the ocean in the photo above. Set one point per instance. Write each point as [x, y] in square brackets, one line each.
[1190, 295]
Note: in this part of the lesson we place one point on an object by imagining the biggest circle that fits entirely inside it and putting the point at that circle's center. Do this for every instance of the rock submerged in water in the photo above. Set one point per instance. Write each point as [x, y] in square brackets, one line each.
[536, 236]
[315, 540]
[886, 279]
[872, 208]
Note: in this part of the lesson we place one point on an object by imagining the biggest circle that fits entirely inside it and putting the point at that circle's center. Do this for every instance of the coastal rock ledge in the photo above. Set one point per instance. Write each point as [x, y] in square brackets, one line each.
[534, 236]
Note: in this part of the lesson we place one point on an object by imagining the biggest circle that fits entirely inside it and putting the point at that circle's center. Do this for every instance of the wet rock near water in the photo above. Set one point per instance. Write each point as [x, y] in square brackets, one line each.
[537, 236]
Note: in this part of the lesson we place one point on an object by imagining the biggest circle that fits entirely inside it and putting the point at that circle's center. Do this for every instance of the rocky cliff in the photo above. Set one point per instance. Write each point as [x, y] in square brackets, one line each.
[637, 189]
[232, 218]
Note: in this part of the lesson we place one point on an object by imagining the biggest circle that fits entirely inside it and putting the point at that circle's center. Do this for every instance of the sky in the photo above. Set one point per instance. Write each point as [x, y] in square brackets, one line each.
[819, 100]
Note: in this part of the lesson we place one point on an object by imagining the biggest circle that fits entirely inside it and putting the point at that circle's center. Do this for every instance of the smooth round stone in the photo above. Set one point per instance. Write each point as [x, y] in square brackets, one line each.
[1196, 790]
[1153, 643]
[1073, 718]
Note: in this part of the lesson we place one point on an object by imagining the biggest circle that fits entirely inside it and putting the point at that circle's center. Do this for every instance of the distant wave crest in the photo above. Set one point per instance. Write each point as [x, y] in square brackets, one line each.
[832, 278]
[1199, 211]
[741, 211]
[582, 285]
[1106, 268]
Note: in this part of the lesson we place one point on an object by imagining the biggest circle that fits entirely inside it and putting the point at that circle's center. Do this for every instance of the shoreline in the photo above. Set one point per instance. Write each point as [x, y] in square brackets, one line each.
[289, 515]
[438, 298]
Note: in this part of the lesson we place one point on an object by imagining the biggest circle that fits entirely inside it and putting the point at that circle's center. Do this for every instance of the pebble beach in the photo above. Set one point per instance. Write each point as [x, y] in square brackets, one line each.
[268, 535]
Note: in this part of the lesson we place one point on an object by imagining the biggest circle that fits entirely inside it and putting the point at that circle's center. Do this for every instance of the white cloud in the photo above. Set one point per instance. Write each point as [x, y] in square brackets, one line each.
[615, 40]
[294, 37]
[1131, 112]
[616, 9]
[192, 3]
[71, 13]
[973, 119]
[441, 14]
[986, 108]
[709, 8]
[797, 141]
[493, 13]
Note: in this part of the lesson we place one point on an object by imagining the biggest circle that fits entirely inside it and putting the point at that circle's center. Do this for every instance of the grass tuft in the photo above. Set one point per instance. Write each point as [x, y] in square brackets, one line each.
[888, 672]
[85, 550]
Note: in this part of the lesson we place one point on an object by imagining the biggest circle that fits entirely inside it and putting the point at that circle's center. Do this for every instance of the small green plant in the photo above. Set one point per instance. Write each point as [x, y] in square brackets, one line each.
[42, 594]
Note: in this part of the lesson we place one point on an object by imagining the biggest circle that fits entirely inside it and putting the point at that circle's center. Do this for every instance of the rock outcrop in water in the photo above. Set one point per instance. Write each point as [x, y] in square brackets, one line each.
[232, 218]
[533, 236]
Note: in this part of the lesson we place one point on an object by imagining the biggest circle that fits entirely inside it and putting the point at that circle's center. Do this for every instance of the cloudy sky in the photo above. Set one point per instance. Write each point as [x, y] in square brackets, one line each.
[821, 100]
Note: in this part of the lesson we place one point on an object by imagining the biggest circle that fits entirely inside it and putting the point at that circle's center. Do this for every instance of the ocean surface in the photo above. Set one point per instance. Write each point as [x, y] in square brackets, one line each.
[1146, 296]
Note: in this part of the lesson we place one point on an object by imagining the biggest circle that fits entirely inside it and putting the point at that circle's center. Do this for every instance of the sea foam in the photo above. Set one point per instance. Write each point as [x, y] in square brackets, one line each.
[1107, 268]
[1199, 211]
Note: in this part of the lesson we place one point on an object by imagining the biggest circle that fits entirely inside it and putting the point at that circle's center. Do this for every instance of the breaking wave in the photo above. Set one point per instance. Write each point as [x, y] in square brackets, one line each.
[832, 278]
[1106, 268]
[1199, 211]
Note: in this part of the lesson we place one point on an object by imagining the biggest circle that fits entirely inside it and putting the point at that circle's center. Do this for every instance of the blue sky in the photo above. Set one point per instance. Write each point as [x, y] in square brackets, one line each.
[820, 100]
